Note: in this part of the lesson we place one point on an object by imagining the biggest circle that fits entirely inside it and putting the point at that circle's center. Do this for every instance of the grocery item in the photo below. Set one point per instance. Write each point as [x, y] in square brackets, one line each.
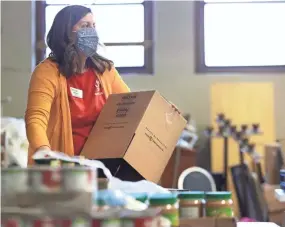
[12, 222]
[146, 218]
[45, 179]
[102, 183]
[168, 203]
[14, 180]
[79, 179]
[40, 222]
[110, 218]
[47, 162]
[219, 204]
[191, 204]
[102, 205]
[66, 222]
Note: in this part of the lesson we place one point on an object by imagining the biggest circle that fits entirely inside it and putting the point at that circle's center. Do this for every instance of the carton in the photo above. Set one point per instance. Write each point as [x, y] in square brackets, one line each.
[276, 208]
[135, 135]
[273, 163]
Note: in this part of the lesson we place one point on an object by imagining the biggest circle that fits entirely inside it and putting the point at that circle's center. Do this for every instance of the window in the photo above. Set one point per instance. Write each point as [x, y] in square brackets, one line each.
[124, 26]
[240, 36]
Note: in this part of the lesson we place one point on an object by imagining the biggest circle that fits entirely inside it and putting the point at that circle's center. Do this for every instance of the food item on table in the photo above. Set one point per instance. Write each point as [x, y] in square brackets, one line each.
[168, 203]
[79, 178]
[14, 180]
[45, 179]
[191, 204]
[148, 217]
[219, 204]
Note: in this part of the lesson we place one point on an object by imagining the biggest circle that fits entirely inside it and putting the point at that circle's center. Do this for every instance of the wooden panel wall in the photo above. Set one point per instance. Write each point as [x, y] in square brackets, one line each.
[243, 103]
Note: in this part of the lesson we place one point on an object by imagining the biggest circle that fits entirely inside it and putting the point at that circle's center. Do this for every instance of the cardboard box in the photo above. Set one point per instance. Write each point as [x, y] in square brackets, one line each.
[276, 209]
[208, 222]
[135, 135]
[273, 163]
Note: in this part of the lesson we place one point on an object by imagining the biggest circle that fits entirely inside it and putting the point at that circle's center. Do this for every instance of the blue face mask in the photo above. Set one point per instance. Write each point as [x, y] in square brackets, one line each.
[87, 41]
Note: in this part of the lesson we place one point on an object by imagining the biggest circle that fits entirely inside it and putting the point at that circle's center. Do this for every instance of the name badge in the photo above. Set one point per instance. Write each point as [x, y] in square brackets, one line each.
[76, 92]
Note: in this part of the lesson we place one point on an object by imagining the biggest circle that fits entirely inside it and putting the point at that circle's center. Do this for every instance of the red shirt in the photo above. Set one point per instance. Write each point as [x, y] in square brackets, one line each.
[86, 100]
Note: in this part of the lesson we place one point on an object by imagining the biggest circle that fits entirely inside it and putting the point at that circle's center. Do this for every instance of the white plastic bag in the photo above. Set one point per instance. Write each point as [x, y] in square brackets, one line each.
[136, 187]
[17, 143]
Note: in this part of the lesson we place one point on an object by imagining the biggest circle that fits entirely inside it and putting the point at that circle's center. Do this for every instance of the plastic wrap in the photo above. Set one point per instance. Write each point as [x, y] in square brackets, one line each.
[16, 142]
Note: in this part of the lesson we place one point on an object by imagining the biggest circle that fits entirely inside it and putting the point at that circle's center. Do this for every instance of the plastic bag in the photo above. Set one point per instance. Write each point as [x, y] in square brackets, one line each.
[117, 198]
[16, 142]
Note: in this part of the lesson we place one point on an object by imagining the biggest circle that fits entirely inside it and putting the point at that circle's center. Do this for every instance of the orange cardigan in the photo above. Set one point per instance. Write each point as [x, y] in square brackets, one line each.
[48, 121]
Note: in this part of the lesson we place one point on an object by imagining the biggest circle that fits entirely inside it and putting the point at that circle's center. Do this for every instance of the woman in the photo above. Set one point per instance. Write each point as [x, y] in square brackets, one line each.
[68, 90]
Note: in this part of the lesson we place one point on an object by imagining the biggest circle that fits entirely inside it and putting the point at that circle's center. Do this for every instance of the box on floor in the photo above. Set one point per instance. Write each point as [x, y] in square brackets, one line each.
[273, 162]
[276, 209]
[135, 135]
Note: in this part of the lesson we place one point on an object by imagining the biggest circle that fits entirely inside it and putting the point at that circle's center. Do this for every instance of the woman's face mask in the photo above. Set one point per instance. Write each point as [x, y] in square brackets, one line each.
[87, 41]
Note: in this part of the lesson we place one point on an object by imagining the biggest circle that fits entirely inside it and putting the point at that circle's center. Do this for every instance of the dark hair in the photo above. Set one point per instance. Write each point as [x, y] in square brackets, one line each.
[62, 43]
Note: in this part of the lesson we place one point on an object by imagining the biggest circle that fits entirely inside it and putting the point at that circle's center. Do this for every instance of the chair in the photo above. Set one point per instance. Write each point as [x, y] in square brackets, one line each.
[196, 179]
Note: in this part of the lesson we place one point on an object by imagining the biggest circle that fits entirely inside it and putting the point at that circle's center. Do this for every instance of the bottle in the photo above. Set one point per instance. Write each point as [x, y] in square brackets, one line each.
[219, 204]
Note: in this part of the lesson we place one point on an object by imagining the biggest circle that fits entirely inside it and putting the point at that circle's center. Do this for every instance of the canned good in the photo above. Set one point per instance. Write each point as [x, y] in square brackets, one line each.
[46, 179]
[14, 180]
[49, 222]
[102, 183]
[45, 222]
[191, 204]
[107, 218]
[81, 222]
[12, 222]
[168, 203]
[145, 218]
[106, 223]
[140, 222]
[79, 179]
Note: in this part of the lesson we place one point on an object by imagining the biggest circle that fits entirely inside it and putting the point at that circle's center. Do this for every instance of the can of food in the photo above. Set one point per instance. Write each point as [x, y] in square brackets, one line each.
[44, 222]
[145, 218]
[12, 222]
[59, 222]
[140, 222]
[78, 179]
[106, 218]
[102, 183]
[81, 222]
[14, 180]
[46, 179]
[111, 222]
